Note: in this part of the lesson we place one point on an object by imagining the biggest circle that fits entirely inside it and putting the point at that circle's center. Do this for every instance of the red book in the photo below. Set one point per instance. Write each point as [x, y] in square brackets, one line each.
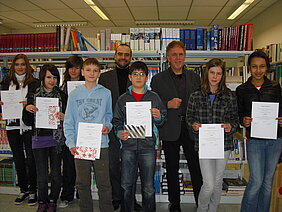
[250, 37]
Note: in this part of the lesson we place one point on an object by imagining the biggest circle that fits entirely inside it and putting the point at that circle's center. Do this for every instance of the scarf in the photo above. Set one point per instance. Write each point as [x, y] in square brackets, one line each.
[24, 91]
[58, 134]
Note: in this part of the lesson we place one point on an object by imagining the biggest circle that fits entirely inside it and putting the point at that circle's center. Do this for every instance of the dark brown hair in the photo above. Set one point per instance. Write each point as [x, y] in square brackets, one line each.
[29, 70]
[73, 61]
[259, 54]
[205, 86]
[91, 61]
[138, 65]
[53, 70]
[173, 44]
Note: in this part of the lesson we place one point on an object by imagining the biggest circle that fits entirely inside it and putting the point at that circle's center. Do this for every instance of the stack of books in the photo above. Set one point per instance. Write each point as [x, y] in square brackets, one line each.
[234, 186]
[7, 173]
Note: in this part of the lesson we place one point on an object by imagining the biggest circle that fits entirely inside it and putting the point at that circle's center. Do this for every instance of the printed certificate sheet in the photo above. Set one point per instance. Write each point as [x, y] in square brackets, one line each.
[12, 108]
[211, 141]
[73, 84]
[89, 139]
[264, 123]
[45, 116]
[139, 114]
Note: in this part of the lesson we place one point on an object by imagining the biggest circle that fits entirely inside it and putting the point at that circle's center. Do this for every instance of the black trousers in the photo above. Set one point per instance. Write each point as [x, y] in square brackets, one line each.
[115, 166]
[69, 175]
[171, 152]
[25, 163]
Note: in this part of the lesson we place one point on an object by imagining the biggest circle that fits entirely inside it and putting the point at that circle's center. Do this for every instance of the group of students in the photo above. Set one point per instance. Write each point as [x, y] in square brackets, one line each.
[208, 102]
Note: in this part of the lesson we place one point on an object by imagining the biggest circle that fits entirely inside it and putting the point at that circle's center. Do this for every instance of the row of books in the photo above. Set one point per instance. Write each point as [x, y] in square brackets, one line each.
[36, 42]
[235, 38]
[274, 52]
[70, 39]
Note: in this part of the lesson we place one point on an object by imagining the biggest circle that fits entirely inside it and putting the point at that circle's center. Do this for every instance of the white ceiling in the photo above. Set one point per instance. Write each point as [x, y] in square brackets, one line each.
[20, 14]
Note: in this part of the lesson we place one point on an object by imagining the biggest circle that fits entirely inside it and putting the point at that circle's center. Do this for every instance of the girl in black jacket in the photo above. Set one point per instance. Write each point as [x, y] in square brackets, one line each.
[19, 135]
[263, 154]
[46, 142]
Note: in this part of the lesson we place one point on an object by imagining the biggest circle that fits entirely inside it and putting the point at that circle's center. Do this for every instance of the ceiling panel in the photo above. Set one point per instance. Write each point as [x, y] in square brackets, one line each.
[3, 8]
[110, 3]
[179, 13]
[174, 3]
[266, 3]
[206, 3]
[74, 4]
[225, 13]
[17, 16]
[203, 12]
[125, 23]
[41, 16]
[252, 13]
[19, 5]
[48, 4]
[21, 13]
[120, 13]
[141, 3]
[66, 14]
[88, 14]
[145, 13]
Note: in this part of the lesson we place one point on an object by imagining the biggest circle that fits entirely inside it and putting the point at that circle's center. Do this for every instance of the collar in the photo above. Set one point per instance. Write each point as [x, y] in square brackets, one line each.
[145, 89]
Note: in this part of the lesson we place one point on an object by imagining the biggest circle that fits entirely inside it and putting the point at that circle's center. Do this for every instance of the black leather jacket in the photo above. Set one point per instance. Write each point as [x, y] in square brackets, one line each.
[247, 93]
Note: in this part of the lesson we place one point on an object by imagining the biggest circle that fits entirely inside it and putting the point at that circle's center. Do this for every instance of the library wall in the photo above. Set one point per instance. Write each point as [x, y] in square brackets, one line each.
[268, 26]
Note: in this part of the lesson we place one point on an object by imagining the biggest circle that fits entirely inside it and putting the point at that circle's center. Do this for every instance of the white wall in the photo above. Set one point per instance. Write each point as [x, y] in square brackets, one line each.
[268, 26]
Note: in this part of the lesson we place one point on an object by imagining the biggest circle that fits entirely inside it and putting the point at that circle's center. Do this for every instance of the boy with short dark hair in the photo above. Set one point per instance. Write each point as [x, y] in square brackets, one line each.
[138, 152]
[90, 103]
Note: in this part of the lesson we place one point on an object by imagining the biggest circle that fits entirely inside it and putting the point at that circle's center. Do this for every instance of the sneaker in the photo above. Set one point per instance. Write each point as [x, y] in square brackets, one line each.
[32, 199]
[42, 207]
[21, 198]
[64, 203]
[51, 207]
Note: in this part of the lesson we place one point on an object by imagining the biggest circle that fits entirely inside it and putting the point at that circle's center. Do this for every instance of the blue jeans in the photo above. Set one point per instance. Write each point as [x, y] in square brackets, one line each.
[131, 160]
[263, 156]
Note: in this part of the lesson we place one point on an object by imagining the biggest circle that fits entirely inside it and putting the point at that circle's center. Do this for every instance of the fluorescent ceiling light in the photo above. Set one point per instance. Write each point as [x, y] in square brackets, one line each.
[164, 22]
[64, 23]
[96, 9]
[240, 9]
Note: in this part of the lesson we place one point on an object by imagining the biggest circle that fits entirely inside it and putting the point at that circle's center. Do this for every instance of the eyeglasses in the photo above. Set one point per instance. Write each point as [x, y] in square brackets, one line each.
[122, 53]
[136, 74]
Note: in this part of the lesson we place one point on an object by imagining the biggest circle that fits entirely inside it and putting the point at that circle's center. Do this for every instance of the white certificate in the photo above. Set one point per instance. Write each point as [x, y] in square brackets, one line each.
[71, 85]
[264, 123]
[45, 116]
[139, 114]
[211, 141]
[89, 139]
[12, 108]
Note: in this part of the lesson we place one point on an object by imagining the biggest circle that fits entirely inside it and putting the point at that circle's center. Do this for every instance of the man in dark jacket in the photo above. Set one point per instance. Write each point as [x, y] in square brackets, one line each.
[174, 87]
[117, 82]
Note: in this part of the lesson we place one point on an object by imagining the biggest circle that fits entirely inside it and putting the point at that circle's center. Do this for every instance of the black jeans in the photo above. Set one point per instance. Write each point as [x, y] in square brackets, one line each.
[171, 152]
[115, 166]
[20, 143]
[41, 159]
[68, 175]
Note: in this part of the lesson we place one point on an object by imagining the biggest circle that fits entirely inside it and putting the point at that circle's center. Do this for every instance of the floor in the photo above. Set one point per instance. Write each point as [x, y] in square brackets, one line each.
[7, 204]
